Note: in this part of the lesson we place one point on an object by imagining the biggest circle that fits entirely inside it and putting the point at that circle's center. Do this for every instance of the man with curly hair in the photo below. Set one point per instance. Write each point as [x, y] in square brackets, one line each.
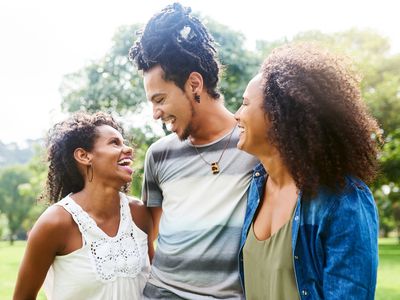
[195, 179]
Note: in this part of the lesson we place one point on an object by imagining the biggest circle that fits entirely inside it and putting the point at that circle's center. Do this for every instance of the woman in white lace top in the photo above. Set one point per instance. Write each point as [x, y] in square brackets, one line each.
[93, 242]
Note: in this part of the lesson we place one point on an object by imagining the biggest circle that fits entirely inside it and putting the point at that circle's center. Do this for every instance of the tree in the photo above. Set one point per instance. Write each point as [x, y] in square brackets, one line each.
[20, 186]
[11, 154]
[111, 84]
[370, 54]
[239, 64]
[389, 183]
[114, 84]
[15, 202]
[142, 138]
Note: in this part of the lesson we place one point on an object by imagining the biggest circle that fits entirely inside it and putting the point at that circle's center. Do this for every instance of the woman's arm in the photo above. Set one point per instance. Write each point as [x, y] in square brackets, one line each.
[350, 245]
[44, 242]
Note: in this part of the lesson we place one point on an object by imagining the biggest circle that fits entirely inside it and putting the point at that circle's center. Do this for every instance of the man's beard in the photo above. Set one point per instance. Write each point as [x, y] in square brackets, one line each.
[188, 130]
[186, 133]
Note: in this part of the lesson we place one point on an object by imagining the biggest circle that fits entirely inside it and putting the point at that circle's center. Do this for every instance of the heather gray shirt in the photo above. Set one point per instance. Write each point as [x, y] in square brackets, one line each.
[199, 232]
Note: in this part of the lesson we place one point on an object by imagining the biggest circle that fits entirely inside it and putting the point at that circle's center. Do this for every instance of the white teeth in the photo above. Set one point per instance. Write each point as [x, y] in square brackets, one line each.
[169, 122]
[169, 126]
[125, 162]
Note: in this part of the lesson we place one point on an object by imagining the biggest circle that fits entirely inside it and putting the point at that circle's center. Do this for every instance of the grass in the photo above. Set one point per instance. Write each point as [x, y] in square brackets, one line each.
[10, 258]
[388, 286]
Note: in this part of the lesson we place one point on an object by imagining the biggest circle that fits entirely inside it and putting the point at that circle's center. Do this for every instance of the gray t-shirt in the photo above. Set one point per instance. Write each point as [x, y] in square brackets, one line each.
[199, 233]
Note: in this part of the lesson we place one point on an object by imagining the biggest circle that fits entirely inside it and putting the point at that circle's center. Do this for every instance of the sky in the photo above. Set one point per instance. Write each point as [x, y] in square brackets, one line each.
[43, 40]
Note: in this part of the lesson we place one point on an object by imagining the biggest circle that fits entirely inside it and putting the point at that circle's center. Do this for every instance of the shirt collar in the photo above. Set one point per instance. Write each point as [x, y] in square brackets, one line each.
[259, 171]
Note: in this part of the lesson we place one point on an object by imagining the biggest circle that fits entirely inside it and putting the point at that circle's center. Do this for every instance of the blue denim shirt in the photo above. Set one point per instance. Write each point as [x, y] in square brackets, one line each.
[334, 240]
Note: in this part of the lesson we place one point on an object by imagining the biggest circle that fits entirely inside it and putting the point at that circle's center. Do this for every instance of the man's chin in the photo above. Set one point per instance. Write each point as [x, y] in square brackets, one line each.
[184, 135]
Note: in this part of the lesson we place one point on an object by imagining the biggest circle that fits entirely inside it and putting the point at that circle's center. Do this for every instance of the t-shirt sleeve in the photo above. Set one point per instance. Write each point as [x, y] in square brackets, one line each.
[151, 192]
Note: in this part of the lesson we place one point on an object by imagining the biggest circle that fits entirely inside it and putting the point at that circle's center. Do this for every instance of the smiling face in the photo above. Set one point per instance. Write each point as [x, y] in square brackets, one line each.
[110, 157]
[170, 103]
[252, 120]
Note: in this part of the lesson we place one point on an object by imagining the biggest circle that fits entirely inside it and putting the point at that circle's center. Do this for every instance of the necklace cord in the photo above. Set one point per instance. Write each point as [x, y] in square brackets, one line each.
[215, 165]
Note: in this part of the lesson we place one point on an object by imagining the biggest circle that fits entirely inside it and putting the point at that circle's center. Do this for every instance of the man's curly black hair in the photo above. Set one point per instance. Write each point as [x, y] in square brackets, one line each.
[180, 44]
[319, 122]
[79, 131]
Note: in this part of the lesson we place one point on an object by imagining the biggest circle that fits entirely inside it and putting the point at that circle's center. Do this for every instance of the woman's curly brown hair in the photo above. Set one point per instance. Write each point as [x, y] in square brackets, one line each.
[79, 131]
[318, 120]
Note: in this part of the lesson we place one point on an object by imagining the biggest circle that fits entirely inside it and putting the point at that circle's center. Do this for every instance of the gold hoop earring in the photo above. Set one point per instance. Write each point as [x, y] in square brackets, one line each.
[88, 169]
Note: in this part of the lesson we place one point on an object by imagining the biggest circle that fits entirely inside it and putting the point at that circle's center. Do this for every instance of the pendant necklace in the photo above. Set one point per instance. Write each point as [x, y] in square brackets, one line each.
[215, 169]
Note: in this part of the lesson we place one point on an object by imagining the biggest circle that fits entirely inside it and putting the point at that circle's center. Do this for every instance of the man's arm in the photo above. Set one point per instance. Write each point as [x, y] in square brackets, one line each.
[156, 216]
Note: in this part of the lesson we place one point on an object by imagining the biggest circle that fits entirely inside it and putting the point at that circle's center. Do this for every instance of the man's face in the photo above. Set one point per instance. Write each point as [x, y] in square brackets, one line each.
[170, 104]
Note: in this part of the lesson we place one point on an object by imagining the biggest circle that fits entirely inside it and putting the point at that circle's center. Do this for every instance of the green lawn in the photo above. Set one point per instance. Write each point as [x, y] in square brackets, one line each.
[10, 258]
[388, 273]
[389, 270]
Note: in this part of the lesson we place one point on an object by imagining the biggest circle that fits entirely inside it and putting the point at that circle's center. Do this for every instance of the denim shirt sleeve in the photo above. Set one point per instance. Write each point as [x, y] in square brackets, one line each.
[350, 245]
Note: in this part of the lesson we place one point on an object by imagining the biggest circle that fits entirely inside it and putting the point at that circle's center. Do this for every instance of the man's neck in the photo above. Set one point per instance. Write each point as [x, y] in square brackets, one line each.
[212, 121]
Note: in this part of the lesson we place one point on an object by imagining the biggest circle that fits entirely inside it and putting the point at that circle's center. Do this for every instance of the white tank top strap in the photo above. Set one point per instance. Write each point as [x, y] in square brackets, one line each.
[112, 257]
[85, 223]
[136, 232]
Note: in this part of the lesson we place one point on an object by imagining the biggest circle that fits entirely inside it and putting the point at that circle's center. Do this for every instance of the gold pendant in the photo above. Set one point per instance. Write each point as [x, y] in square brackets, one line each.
[214, 168]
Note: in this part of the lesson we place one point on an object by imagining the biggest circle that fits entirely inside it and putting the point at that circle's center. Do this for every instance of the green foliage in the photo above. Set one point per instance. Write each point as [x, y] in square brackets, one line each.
[370, 54]
[15, 201]
[389, 180]
[239, 64]
[141, 139]
[111, 84]
[11, 154]
[19, 188]
[390, 160]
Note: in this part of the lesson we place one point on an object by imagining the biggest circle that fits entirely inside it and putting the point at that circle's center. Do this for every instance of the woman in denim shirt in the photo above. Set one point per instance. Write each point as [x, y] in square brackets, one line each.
[311, 225]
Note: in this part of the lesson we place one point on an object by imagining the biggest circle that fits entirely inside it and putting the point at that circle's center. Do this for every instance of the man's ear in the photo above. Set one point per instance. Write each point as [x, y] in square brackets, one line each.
[195, 83]
[83, 157]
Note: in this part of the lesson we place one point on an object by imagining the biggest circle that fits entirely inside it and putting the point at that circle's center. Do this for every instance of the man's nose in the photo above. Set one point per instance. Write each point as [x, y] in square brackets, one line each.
[237, 114]
[156, 113]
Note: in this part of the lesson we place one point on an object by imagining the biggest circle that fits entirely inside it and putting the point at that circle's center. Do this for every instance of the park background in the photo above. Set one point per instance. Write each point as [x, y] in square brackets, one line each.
[58, 57]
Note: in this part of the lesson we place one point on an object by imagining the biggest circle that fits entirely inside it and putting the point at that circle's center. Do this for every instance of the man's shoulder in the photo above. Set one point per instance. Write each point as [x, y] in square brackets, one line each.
[165, 143]
[166, 148]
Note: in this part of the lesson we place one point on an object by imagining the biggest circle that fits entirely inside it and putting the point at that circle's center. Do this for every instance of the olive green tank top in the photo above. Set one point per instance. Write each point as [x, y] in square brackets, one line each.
[268, 266]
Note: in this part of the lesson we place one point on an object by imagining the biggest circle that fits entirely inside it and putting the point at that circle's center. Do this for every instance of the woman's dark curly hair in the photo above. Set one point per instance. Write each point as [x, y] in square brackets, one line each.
[180, 44]
[319, 122]
[79, 131]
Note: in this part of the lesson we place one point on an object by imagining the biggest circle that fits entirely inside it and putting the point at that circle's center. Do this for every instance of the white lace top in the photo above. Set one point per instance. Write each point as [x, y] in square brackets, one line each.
[105, 267]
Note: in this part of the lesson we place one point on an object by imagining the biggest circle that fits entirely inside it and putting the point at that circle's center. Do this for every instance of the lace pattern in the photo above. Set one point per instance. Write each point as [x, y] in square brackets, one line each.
[112, 257]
